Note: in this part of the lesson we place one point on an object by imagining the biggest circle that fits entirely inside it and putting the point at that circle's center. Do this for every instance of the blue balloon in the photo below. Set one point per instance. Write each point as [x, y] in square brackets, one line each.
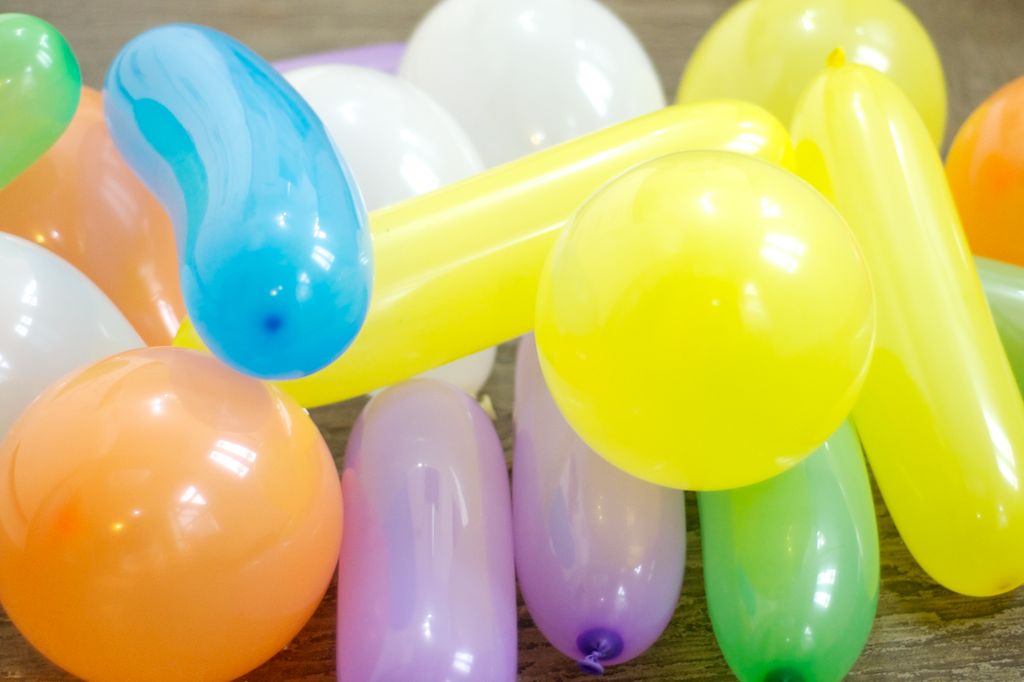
[271, 229]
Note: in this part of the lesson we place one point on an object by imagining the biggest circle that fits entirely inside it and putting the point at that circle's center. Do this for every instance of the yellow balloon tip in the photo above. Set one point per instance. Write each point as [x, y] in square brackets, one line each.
[836, 58]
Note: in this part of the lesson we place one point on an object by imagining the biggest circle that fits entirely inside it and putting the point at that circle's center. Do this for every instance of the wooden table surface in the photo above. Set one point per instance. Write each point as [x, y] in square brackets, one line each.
[922, 631]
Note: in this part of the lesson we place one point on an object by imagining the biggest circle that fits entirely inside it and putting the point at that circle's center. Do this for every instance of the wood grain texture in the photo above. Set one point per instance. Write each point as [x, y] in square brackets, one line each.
[922, 631]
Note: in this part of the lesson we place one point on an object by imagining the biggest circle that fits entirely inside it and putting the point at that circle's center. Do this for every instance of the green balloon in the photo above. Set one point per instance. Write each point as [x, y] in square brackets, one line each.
[791, 567]
[1004, 289]
[40, 84]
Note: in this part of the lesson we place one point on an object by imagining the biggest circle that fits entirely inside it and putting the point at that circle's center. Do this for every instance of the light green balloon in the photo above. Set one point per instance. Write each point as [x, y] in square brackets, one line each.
[791, 564]
[791, 567]
[40, 84]
[1004, 290]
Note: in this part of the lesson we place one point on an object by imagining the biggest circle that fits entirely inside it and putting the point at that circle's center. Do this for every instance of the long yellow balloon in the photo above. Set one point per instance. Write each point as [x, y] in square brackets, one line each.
[457, 269]
[940, 416]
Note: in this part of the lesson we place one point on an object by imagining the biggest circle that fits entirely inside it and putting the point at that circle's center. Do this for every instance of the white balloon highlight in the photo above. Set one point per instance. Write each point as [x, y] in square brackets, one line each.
[53, 320]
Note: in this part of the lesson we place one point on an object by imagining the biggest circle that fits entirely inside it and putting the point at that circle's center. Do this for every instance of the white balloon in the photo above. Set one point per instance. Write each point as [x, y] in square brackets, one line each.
[398, 143]
[53, 320]
[521, 75]
[469, 373]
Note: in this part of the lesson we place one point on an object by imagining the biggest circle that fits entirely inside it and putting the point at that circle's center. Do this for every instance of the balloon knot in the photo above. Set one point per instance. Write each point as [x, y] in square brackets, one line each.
[591, 663]
[836, 58]
[598, 644]
[272, 323]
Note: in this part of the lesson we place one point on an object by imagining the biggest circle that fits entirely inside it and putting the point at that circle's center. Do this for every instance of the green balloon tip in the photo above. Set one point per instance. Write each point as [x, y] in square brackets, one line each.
[40, 84]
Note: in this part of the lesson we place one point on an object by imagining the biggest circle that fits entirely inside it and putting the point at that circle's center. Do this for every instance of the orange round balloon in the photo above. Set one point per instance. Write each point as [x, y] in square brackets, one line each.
[82, 201]
[985, 167]
[163, 517]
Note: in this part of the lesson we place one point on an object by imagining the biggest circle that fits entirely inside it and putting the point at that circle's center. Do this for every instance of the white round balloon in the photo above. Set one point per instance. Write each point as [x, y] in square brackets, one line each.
[396, 140]
[521, 75]
[53, 320]
[398, 143]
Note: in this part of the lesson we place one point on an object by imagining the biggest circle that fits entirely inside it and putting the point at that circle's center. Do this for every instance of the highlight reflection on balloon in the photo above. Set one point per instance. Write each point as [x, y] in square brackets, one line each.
[599, 553]
[791, 567]
[940, 416]
[672, 321]
[768, 51]
[445, 288]
[531, 73]
[275, 257]
[985, 168]
[82, 201]
[39, 86]
[165, 518]
[426, 584]
[52, 320]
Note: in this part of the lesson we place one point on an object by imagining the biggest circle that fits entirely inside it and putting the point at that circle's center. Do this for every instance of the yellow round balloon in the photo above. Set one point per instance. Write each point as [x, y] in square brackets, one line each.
[706, 321]
[768, 51]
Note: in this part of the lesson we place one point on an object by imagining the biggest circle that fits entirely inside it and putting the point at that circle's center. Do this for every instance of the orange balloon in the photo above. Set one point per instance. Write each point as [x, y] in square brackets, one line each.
[163, 517]
[82, 201]
[985, 167]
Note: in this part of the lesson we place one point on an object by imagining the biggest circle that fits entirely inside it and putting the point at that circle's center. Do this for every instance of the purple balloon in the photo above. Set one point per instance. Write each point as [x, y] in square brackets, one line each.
[426, 583]
[381, 56]
[599, 554]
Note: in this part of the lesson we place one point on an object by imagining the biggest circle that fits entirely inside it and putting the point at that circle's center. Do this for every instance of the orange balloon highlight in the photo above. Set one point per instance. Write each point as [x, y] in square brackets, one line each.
[163, 517]
[985, 168]
[81, 201]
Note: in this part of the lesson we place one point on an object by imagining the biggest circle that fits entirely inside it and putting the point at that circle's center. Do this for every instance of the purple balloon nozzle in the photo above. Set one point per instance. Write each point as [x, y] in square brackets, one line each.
[591, 665]
[598, 644]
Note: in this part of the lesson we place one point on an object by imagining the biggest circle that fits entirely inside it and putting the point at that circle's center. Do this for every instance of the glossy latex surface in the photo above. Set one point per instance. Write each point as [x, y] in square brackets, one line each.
[39, 87]
[599, 553]
[672, 321]
[985, 168]
[426, 585]
[52, 320]
[82, 201]
[1004, 290]
[398, 143]
[457, 269]
[791, 567]
[531, 73]
[165, 518]
[940, 416]
[380, 56]
[275, 257]
[768, 51]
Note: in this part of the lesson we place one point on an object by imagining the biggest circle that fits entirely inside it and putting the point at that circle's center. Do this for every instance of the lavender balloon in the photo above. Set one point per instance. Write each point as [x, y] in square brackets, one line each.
[381, 56]
[599, 553]
[426, 588]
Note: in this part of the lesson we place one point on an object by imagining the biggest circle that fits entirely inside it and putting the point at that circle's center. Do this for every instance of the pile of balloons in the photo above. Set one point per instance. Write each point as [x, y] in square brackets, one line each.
[732, 295]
